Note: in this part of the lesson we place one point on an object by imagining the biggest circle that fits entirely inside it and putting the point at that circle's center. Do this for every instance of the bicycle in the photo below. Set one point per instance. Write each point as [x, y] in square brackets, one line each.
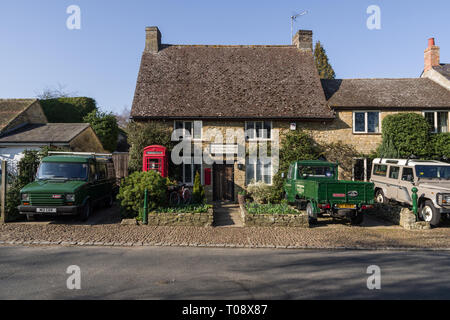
[181, 195]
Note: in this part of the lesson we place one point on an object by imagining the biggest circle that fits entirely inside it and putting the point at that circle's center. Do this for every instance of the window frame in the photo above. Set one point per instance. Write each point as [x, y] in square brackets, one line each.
[192, 122]
[255, 138]
[435, 124]
[192, 164]
[366, 121]
[255, 174]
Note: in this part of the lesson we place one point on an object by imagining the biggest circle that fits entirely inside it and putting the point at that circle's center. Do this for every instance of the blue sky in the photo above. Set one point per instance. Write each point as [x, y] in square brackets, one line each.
[101, 60]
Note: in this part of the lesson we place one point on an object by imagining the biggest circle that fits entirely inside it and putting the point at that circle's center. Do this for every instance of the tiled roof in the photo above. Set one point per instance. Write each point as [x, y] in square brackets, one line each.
[45, 133]
[188, 81]
[386, 93]
[11, 108]
[443, 69]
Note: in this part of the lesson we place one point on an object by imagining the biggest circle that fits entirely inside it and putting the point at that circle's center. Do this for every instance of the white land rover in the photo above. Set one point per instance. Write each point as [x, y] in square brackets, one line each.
[394, 179]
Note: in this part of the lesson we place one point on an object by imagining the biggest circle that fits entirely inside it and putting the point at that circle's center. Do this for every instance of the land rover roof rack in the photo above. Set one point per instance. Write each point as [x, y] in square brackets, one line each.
[92, 154]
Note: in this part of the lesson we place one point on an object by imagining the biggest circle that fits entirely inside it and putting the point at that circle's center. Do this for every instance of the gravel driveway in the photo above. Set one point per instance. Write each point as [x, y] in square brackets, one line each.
[103, 228]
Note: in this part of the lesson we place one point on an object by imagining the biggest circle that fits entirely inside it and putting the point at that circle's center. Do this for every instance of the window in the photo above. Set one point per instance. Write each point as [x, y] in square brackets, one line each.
[189, 172]
[393, 172]
[258, 130]
[366, 122]
[101, 167]
[407, 174]
[362, 168]
[438, 120]
[380, 170]
[193, 129]
[258, 172]
[308, 171]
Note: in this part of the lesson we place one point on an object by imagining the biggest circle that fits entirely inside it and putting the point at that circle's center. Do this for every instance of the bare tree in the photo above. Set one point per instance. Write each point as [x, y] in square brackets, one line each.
[55, 92]
[123, 117]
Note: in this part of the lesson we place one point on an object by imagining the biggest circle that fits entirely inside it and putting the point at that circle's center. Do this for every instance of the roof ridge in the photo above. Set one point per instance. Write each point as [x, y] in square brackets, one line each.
[231, 45]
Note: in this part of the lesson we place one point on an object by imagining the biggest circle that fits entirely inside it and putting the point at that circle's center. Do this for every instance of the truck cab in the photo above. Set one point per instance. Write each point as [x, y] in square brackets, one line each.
[314, 185]
[70, 184]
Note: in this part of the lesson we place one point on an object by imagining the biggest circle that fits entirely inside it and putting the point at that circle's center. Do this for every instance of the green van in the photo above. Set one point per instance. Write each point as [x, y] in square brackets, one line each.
[69, 183]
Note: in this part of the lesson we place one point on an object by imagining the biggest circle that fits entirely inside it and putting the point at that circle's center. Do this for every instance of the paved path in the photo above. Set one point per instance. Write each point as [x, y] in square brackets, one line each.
[227, 215]
[209, 273]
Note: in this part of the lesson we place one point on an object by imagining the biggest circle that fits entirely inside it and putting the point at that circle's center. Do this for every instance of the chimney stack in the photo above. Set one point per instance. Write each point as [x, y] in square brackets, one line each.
[431, 55]
[303, 40]
[152, 39]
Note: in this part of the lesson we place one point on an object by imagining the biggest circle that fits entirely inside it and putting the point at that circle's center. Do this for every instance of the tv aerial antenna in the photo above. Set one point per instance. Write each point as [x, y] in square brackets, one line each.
[294, 18]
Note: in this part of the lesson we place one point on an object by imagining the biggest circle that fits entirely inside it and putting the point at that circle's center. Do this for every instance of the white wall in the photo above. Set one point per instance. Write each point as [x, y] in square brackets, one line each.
[14, 154]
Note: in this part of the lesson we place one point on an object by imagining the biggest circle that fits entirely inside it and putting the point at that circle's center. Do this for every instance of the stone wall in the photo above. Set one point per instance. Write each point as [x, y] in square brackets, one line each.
[398, 215]
[274, 220]
[181, 219]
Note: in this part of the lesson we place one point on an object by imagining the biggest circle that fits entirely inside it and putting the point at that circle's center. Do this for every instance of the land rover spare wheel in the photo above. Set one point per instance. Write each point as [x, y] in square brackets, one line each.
[379, 196]
[430, 214]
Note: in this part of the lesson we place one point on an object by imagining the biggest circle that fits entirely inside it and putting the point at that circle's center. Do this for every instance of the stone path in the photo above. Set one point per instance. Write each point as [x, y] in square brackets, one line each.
[227, 215]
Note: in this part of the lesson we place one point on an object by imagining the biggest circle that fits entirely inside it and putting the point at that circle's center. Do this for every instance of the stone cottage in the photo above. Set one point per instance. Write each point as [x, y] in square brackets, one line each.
[360, 106]
[257, 89]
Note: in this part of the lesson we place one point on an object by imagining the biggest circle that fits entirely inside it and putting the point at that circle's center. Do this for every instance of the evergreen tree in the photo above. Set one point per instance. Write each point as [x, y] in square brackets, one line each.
[321, 61]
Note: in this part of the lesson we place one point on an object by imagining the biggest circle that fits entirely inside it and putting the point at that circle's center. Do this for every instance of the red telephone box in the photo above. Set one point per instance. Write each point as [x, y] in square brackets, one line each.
[156, 158]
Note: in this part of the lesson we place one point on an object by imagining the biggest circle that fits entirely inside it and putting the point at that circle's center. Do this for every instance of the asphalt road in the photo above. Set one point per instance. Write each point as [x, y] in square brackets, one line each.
[211, 273]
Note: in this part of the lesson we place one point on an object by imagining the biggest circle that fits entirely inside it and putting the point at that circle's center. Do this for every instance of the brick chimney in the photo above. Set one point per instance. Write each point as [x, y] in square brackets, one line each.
[303, 40]
[152, 39]
[431, 55]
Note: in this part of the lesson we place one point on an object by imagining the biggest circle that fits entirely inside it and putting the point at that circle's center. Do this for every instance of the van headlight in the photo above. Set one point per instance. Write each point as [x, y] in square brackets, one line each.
[70, 197]
[443, 199]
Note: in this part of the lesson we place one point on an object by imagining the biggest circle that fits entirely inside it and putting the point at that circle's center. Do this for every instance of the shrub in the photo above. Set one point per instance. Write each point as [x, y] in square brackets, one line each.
[105, 127]
[26, 172]
[132, 190]
[440, 146]
[259, 191]
[281, 208]
[68, 110]
[405, 134]
[198, 192]
[341, 153]
[295, 145]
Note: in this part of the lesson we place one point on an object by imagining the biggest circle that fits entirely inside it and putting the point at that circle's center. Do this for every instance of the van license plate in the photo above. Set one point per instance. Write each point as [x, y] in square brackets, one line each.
[346, 206]
[46, 210]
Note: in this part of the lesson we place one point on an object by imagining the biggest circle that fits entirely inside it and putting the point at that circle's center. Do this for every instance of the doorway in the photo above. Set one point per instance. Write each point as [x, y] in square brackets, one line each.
[223, 182]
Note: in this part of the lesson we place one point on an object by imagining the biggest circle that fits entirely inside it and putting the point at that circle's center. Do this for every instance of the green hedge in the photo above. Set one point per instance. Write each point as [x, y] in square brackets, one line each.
[405, 134]
[68, 110]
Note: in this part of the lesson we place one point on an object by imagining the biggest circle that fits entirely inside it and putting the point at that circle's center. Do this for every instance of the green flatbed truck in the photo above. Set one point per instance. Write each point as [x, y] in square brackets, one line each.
[313, 185]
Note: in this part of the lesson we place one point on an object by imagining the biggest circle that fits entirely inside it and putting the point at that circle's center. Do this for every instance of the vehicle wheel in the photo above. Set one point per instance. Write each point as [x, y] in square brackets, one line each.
[109, 202]
[430, 214]
[87, 209]
[174, 198]
[311, 215]
[357, 218]
[187, 196]
[380, 197]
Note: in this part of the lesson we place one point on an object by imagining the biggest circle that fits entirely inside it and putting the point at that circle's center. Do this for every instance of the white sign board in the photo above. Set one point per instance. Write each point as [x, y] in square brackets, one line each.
[224, 148]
